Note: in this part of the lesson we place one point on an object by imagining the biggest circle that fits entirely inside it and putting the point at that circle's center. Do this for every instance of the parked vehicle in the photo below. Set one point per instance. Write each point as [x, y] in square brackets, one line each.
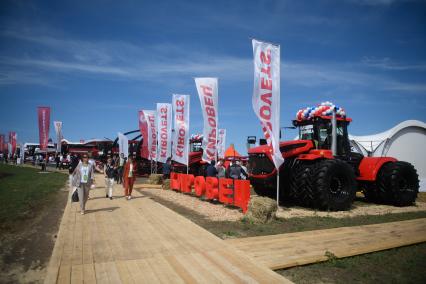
[321, 170]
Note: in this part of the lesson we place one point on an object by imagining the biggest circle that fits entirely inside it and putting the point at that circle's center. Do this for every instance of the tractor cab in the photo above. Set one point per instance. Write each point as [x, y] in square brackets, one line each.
[320, 131]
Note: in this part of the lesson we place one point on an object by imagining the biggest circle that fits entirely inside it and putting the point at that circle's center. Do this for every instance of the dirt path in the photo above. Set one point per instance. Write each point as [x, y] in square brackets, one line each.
[26, 250]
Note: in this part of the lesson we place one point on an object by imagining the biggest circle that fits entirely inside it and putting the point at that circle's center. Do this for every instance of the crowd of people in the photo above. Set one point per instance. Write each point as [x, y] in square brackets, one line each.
[235, 170]
[117, 169]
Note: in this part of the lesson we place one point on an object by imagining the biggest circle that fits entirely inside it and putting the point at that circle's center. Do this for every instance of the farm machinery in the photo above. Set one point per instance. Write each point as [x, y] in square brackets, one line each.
[321, 171]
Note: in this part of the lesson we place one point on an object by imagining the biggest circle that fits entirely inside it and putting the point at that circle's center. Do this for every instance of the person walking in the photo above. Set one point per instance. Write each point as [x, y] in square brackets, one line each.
[129, 176]
[82, 179]
[74, 161]
[167, 168]
[211, 169]
[57, 160]
[109, 178]
[121, 163]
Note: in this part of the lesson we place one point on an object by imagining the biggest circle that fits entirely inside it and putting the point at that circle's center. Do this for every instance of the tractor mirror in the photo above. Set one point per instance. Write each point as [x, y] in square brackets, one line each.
[251, 140]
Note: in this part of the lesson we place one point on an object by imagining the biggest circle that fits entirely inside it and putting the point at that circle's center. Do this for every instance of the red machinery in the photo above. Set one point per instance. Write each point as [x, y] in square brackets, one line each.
[322, 172]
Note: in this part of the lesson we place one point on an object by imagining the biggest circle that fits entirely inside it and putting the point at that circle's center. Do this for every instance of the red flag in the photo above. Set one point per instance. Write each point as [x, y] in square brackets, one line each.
[1, 143]
[143, 126]
[43, 126]
[12, 141]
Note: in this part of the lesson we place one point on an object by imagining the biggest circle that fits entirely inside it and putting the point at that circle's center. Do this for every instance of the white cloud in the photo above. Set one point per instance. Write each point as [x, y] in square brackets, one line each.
[388, 64]
[117, 60]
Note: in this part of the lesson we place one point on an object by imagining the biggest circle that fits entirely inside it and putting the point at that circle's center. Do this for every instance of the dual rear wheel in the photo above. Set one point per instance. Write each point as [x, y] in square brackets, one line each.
[324, 185]
[397, 184]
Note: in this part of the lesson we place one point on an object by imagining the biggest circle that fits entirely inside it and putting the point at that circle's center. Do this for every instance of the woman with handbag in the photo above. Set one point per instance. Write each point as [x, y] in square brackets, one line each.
[83, 177]
[109, 178]
[129, 176]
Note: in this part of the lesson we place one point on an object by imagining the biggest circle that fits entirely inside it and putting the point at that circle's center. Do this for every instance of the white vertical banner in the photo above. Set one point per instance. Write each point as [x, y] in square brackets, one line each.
[164, 131]
[22, 152]
[208, 93]
[180, 150]
[221, 143]
[123, 144]
[266, 94]
[58, 130]
[151, 119]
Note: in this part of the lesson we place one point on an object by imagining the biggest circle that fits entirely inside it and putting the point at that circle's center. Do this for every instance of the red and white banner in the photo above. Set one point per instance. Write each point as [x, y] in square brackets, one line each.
[221, 143]
[151, 119]
[143, 127]
[2, 141]
[208, 94]
[12, 140]
[164, 130]
[180, 151]
[58, 130]
[43, 126]
[266, 94]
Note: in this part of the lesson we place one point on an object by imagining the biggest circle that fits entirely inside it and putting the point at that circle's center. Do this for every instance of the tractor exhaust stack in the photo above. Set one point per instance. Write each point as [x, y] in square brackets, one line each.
[334, 133]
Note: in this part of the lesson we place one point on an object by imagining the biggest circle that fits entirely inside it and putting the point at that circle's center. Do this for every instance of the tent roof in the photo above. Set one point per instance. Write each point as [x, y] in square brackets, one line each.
[231, 152]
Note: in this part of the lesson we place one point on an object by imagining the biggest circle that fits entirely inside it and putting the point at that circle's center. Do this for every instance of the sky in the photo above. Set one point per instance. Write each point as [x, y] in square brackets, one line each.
[96, 63]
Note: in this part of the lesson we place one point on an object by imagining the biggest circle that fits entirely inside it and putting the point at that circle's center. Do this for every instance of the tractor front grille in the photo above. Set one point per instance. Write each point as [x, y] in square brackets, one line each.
[260, 164]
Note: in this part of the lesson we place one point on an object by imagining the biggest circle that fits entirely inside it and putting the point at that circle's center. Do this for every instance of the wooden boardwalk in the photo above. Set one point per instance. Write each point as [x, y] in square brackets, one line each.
[141, 241]
[287, 250]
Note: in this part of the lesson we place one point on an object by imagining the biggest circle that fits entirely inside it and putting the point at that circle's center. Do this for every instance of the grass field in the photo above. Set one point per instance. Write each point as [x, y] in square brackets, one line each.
[399, 265]
[23, 191]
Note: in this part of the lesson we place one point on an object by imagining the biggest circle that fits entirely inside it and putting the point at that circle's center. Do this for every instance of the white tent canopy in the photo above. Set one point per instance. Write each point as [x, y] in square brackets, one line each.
[405, 142]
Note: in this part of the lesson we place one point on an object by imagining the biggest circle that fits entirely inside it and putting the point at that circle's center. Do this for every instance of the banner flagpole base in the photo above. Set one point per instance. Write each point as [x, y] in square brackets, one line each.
[278, 188]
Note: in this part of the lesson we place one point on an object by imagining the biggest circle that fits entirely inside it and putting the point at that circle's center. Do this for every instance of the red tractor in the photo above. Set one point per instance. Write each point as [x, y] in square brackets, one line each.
[196, 164]
[321, 170]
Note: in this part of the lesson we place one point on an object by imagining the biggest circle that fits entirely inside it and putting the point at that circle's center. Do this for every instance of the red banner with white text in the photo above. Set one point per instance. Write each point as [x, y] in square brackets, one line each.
[12, 141]
[43, 126]
[151, 119]
[2, 143]
[143, 127]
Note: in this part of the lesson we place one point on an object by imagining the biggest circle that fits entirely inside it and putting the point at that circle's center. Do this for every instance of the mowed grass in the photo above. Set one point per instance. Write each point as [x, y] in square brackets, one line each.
[399, 265]
[24, 191]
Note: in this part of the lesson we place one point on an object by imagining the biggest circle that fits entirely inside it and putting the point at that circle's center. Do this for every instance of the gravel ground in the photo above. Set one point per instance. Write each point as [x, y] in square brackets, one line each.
[218, 212]
[212, 211]
[359, 208]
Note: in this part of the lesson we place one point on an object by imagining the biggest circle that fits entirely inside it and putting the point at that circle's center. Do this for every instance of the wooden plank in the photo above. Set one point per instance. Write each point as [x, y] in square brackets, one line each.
[124, 272]
[287, 250]
[141, 241]
[77, 274]
[89, 274]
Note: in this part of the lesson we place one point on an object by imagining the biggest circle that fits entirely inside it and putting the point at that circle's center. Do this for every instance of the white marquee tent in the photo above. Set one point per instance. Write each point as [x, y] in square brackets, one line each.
[406, 142]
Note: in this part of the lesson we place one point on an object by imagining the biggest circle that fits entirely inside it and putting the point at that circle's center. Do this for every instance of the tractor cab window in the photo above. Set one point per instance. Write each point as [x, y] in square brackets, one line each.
[306, 132]
[196, 146]
[324, 135]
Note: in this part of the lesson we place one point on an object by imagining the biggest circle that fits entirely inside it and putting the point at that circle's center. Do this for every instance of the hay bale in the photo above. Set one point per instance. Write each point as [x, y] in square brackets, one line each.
[166, 184]
[261, 210]
[155, 179]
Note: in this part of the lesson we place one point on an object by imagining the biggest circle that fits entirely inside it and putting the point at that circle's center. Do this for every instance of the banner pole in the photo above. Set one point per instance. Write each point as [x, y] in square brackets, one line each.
[187, 157]
[278, 188]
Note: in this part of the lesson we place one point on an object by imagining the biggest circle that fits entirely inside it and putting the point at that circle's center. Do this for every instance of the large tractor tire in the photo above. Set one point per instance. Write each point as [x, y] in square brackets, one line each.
[266, 192]
[370, 192]
[397, 184]
[301, 190]
[335, 185]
